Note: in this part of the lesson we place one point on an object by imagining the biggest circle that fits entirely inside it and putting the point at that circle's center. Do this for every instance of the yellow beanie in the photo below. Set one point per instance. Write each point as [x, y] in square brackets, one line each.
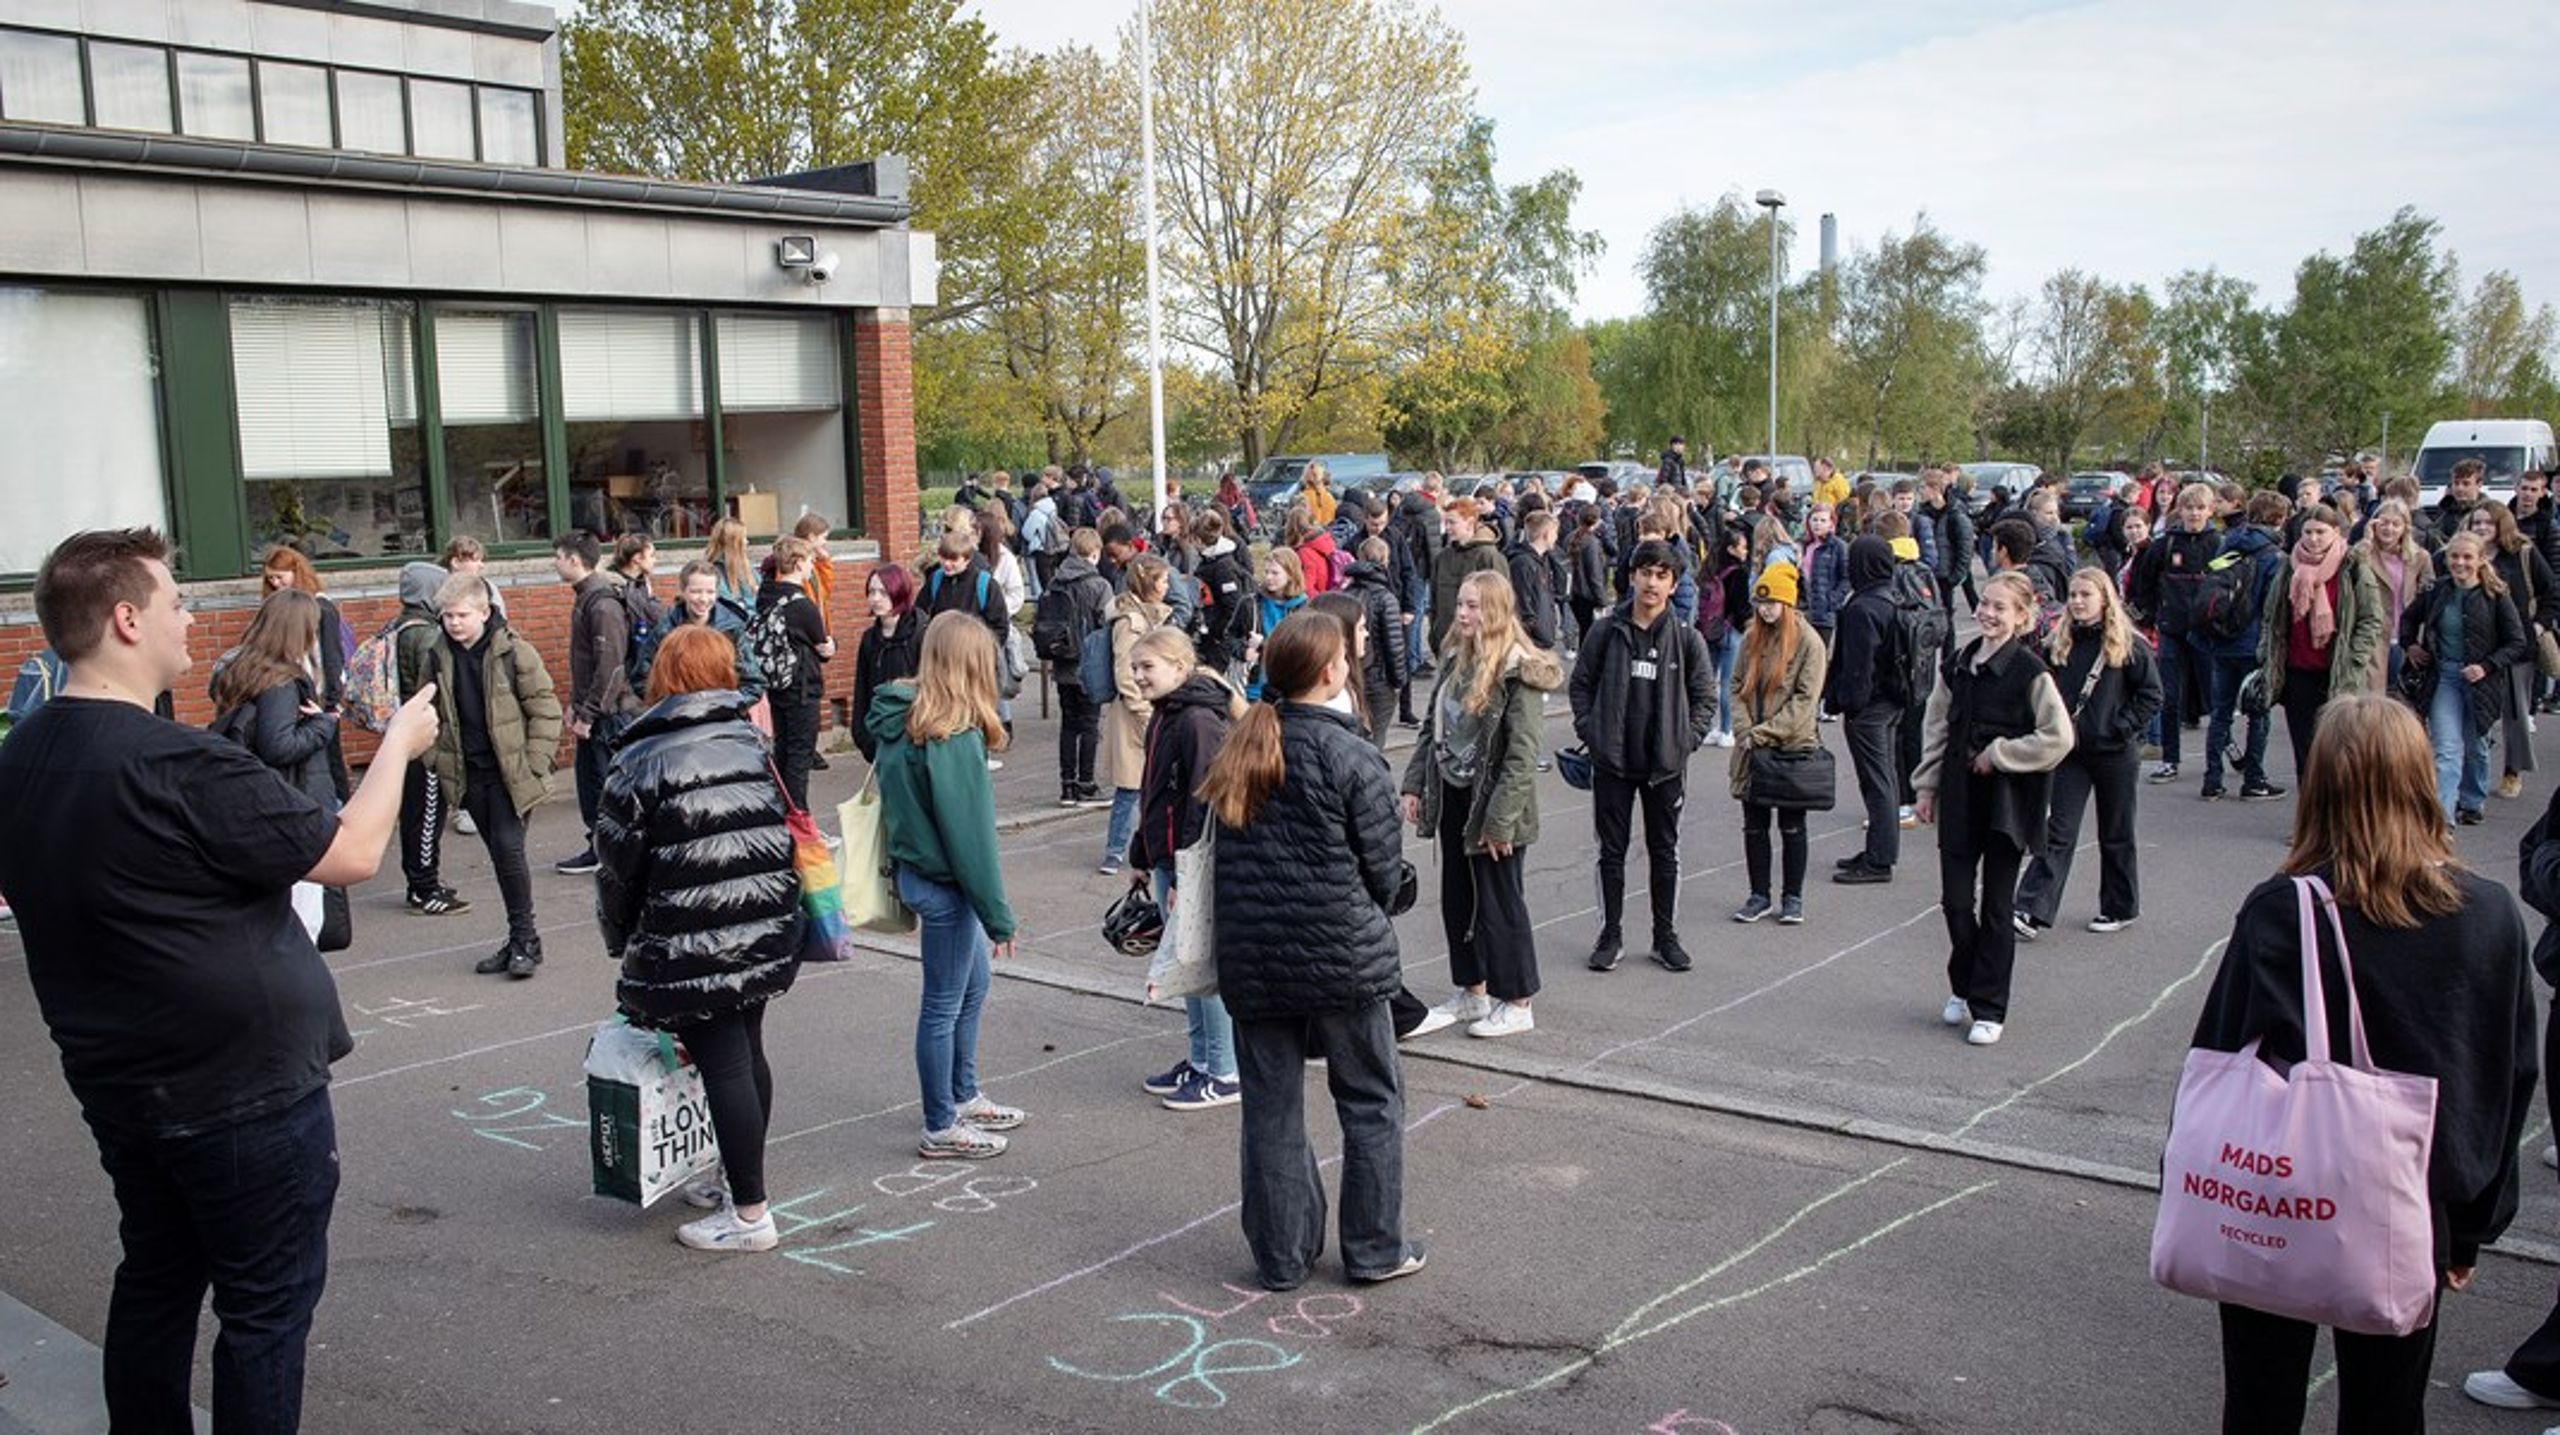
[1778, 583]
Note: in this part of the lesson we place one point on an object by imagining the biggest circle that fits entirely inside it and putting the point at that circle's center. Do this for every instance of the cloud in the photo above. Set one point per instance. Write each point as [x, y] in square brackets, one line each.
[2132, 138]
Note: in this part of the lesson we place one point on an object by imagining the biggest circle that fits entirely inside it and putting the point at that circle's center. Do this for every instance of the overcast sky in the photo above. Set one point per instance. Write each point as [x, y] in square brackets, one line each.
[2134, 138]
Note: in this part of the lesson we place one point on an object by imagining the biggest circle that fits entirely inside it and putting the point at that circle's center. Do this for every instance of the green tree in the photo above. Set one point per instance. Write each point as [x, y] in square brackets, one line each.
[1289, 135]
[2366, 335]
[2502, 351]
[2096, 367]
[1909, 312]
[2199, 329]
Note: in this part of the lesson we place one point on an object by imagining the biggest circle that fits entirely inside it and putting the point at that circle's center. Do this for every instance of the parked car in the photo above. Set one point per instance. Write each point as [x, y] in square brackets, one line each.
[2081, 492]
[1622, 471]
[2506, 447]
[2013, 479]
[1278, 475]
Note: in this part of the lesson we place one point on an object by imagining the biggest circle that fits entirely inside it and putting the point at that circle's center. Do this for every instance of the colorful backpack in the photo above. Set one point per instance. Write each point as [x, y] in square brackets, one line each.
[372, 693]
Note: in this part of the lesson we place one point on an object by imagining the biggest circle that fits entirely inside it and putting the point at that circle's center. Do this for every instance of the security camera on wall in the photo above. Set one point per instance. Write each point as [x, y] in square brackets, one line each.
[823, 268]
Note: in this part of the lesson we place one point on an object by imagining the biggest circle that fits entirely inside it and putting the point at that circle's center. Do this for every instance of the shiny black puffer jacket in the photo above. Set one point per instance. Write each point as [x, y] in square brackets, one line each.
[1302, 890]
[697, 896]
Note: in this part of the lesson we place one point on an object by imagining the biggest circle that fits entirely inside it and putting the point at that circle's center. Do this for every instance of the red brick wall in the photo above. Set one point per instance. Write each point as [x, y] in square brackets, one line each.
[885, 413]
[538, 610]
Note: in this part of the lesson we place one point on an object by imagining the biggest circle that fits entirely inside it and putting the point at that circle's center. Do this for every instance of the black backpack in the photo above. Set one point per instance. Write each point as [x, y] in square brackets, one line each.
[2227, 599]
[1059, 623]
[640, 608]
[1917, 634]
[770, 640]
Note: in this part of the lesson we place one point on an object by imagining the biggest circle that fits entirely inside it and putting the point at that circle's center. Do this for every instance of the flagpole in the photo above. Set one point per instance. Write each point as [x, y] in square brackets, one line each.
[1147, 185]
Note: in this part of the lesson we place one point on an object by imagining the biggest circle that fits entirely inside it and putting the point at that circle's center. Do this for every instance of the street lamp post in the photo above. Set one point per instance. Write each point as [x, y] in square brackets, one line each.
[1772, 201]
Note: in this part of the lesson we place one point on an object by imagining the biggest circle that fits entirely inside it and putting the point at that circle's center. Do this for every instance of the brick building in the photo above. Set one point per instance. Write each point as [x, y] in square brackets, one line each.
[311, 272]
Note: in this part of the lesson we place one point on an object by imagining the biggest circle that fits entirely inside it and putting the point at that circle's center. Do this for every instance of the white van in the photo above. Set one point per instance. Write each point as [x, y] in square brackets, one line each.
[2506, 446]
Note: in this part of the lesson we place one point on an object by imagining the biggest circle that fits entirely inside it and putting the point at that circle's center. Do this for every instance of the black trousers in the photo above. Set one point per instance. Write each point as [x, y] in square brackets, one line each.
[2536, 1363]
[1284, 1205]
[1613, 803]
[1484, 911]
[1379, 695]
[2305, 691]
[1079, 735]
[2112, 777]
[738, 1085]
[1586, 611]
[422, 816]
[1907, 756]
[1755, 847]
[795, 735]
[502, 832]
[1875, 745]
[2266, 1376]
[1982, 946]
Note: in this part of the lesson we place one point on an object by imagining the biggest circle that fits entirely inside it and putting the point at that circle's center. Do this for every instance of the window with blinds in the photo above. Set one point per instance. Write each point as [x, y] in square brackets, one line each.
[629, 364]
[485, 367]
[319, 387]
[79, 419]
[778, 364]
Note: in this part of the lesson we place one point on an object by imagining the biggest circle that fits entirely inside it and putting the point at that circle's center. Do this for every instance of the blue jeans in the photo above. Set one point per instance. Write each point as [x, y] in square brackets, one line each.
[1213, 1034]
[2177, 653]
[1124, 820]
[955, 989]
[2227, 676]
[2462, 761]
[244, 1209]
[1417, 602]
[1725, 652]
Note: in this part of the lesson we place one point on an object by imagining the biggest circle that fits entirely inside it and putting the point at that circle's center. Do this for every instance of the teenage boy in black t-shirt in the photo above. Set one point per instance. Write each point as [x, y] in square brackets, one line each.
[195, 1018]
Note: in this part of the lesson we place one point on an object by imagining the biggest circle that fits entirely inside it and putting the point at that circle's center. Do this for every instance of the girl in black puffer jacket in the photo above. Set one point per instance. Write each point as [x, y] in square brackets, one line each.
[698, 900]
[1307, 864]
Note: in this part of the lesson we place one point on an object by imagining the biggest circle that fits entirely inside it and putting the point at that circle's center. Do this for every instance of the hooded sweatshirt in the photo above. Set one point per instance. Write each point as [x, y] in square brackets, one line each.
[420, 625]
[938, 809]
[1188, 727]
[1863, 641]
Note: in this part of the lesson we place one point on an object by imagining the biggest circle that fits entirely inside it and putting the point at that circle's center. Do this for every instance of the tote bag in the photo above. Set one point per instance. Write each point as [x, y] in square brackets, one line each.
[827, 937]
[1186, 962]
[2302, 1193]
[870, 888]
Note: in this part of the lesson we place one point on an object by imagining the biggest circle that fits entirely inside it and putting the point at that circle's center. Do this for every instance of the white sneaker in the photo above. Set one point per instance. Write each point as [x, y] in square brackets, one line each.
[1506, 1019]
[988, 1116]
[723, 1231]
[2025, 929]
[1958, 1012]
[1463, 1006]
[1433, 1020]
[2104, 924]
[2551, 1157]
[708, 1194]
[2493, 1388]
[995, 764]
[1984, 1033]
[463, 824]
[1723, 739]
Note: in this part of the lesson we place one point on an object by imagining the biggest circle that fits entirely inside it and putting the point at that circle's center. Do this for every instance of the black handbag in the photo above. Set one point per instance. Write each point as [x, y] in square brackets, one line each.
[1793, 779]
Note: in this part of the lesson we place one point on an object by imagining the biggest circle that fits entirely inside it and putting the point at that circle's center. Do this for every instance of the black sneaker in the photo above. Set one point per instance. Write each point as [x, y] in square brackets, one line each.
[2259, 791]
[1859, 874]
[1668, 952]
[523, 956]
[1854, 859]
[2211, 794]
[1605, 952]
[2469, 816]
[578, 866]
[442, 902]
[2165, 772]
[497, 961]
[1070, 795]
[817, 763]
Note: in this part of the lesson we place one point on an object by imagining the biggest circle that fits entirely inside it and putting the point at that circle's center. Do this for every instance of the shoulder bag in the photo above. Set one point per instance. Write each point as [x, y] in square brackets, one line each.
[869, 891]
[2302, 1193]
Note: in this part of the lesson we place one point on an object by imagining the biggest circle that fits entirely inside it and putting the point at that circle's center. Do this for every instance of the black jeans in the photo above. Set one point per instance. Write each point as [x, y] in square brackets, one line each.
[795, 735]
[1875, 743]
[1982, 946]
[2112, 778]
[729, 1049]
[422, 814]
[1613, 802]
[2306, 690]
[1379, 696]
[2266, 1376]
[1079, 735]
[595, 759]
[484, 796]
[245, 1210]
[1284, 1205]
[1755, 847]
[1483, 910]
[1907, 755]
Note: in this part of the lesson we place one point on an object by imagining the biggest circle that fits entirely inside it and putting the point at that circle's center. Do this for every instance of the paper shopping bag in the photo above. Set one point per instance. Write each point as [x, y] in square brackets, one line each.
[648, 1121]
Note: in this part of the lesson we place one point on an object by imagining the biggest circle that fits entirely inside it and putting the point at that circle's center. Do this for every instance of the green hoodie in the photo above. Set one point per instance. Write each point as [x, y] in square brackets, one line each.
[939, 808]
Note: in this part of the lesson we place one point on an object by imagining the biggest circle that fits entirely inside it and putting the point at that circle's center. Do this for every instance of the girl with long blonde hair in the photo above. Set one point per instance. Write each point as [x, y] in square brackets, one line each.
[1473, 783]
[938, 807]
[2110, 686]
[2437, 961]
[2458, 641]
[727, 555]
[2403, 568]
[1779, 685]
[1306, 866]
[1995, 729]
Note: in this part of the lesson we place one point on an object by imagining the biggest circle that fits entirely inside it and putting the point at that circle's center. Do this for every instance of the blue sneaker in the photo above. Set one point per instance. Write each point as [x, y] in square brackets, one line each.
[1200, 1091]
[1171, 1081]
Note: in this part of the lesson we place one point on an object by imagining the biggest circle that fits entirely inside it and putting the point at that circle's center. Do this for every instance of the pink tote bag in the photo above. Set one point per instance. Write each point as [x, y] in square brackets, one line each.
[2304, 1193]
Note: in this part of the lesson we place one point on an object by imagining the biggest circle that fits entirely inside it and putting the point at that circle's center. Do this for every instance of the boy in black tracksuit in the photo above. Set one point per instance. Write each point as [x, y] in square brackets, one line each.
[1644, 698]
[1382, 672]
[1872, 716]
[784, 608]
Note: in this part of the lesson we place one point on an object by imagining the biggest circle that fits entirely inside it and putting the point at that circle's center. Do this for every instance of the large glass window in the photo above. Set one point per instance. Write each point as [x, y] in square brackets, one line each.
[213, 96]
[327, 405]
[294, 101]
[40, 79]
[509, 133]
[440, 120]
[631, 391]
[370, 113]
[782, 418]
[492, 412]
[130, 84]
[79, 419]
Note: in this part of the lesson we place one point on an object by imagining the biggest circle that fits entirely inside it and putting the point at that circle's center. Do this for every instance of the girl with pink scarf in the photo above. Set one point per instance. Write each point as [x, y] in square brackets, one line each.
[2322, 631]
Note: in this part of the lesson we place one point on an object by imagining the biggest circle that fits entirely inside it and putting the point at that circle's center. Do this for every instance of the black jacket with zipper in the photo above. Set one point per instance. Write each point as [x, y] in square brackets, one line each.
[1684, 695]
[1183, 734]
[2120, 705]
[1385, 616]
[2492, 636]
